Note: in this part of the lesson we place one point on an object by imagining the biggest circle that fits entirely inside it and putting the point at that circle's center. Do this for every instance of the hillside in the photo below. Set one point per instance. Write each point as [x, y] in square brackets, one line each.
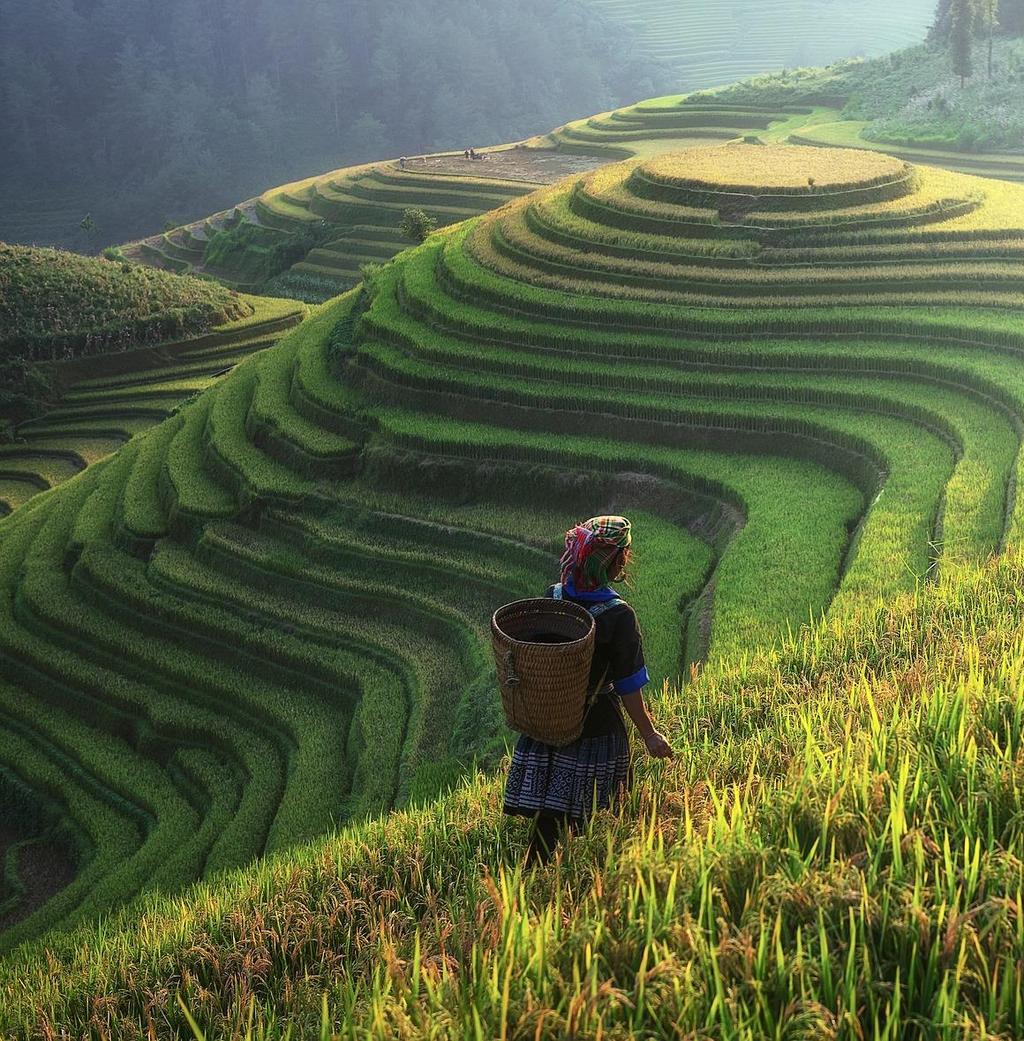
[93, 352]
[58, 305]
[152, 122]
[311, 239]
[798, 370]
[708, 44]
[911, 103]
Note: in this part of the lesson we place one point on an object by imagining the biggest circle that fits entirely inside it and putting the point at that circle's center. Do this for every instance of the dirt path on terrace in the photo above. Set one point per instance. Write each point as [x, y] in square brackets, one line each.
[44, 869]
[539, 166]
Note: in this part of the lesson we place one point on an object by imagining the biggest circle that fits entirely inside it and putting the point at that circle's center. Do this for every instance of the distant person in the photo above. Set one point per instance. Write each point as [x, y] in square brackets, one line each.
[472, 153]
[558, 787]
[466, 154]
[402, 161]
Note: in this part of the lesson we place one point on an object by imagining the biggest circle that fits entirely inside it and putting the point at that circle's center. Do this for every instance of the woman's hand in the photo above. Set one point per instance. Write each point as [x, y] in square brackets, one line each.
[658, 746]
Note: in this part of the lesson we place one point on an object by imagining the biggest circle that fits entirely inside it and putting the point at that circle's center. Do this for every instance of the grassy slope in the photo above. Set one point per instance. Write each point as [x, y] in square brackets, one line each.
[834, 844]
[914, 97]
[835, 850]
[910, 103]
[57, 304]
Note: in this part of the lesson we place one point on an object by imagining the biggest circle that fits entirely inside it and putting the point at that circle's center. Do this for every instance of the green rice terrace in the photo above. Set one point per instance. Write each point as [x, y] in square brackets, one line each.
[313, 239]
[709, 43]
[94, 352]
[264, 622]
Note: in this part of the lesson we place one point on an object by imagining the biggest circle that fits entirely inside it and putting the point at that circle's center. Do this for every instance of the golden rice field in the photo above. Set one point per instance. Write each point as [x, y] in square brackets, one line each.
[774, 169]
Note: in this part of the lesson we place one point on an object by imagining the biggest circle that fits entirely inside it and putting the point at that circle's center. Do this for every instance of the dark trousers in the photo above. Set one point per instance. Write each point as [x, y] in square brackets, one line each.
[545, 834]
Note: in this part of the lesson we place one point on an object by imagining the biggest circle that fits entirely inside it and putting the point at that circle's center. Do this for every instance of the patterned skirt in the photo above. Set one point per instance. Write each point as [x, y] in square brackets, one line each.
[570, 781]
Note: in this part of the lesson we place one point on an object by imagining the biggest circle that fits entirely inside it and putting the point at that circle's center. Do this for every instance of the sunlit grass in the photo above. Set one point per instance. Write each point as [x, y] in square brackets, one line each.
[835, 849]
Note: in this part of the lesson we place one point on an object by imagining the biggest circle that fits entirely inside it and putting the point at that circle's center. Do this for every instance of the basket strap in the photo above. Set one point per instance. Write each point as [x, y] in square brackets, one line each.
[592, 694]
[596, 610]
[510, 668]
[513, 685]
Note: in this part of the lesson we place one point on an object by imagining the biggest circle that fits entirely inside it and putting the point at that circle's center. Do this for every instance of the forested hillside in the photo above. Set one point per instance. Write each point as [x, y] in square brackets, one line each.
[1009, 14]
[137, 112]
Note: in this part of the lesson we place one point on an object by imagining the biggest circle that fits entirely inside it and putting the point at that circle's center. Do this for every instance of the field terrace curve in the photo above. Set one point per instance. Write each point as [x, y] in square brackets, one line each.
[268, 614]
[102, 401]
[109, 349]
[354, 213]
[717, 43]
[740, 112]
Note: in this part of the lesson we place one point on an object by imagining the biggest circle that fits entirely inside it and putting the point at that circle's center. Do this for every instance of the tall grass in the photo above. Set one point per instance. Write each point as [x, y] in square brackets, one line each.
[835, 852]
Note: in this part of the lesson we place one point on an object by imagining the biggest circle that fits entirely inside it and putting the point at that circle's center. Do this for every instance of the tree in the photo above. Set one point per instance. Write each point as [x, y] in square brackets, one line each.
[331, 70]
[990, 22]
[940, 29]
[367, 138]
[961, 38]
[89, 227]
[416, 225]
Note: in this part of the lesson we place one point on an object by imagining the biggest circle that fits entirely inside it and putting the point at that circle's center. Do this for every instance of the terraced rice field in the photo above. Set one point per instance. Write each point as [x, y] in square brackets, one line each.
[715, 43]
[661, 125]
[363, 206]
[183, 249]
[268, 614]
[106, 400]
[847, 134]
[666, 124]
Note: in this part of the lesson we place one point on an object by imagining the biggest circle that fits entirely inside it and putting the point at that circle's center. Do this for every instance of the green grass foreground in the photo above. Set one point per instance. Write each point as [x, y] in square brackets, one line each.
[836, 852]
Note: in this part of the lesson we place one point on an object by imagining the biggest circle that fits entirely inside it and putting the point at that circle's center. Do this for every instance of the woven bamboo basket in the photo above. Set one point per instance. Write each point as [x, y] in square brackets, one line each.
[543, 649]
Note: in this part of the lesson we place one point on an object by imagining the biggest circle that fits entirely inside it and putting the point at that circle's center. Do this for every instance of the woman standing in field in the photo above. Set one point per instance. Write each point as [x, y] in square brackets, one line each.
[558, 787]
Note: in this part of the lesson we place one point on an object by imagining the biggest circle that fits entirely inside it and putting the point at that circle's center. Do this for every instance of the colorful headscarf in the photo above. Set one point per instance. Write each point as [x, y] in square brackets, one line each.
[590, 548]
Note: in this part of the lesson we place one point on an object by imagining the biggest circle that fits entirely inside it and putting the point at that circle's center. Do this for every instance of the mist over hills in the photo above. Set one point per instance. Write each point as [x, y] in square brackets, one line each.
[141, 114]
[708, 44]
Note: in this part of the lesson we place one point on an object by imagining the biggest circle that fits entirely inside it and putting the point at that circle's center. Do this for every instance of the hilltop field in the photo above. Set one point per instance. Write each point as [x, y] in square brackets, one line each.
[314, 238]
[263, 624]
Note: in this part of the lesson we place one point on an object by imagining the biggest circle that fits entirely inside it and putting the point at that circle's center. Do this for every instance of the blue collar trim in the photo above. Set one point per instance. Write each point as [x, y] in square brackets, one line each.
[596, 596]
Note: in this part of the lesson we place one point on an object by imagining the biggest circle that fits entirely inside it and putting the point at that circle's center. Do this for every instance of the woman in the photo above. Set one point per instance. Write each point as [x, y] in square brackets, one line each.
[558, 787]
